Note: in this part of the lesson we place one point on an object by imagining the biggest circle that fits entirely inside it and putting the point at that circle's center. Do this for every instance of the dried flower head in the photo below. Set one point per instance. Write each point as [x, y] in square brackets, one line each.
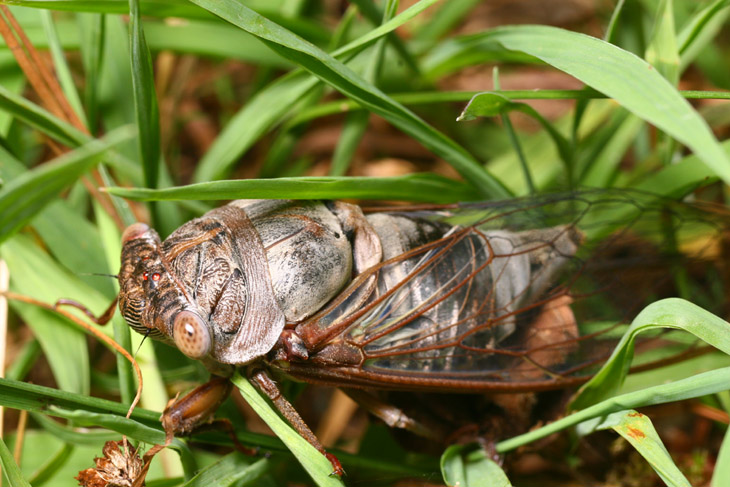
[119, 467]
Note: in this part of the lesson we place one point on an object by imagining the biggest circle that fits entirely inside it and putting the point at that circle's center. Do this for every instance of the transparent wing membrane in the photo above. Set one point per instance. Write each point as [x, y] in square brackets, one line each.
[530, 291]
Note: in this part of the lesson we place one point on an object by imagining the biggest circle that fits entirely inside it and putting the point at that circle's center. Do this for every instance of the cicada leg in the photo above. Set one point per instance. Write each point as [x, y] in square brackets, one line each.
[102, 319]
[193, 412]
[266, 385]
[393, 416]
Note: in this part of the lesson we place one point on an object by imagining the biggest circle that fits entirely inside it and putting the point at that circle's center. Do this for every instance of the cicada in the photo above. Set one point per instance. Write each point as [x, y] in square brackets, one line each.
[520, 295]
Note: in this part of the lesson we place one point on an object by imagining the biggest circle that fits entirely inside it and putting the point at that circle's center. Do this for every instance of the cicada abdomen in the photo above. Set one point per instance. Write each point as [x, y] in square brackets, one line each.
[521, 295]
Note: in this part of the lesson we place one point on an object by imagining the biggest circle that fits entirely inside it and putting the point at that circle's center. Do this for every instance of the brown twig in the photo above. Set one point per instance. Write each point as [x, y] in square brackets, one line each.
[101, 336]
[710, 412]
[20, 436]
[45, 84]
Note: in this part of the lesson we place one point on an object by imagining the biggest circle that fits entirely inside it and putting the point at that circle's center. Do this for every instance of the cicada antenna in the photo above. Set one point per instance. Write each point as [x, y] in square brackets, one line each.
[100, 274]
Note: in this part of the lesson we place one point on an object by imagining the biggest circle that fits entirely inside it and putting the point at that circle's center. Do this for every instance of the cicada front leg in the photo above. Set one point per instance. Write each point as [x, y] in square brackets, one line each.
[102, 319]
[266, 385]
[194, 412]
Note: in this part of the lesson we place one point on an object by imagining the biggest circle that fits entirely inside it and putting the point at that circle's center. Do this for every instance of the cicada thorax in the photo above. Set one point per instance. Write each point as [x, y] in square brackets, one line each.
[222, 287]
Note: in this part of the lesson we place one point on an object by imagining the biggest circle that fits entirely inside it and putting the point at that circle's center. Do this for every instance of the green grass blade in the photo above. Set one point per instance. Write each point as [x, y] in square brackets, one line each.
[339, 76]
[64, 346]
[603, 166]
[40, 118]
[668, 313]
[622, 76]
[31, 397]
[448, 16]
[372, 13]
[213, 39]
[112, 249]
[24, 196]
[695, 386]
[356, 123]
[261, 112]
[233, 469]
[637, 429]
[51, 467]
[145, 99]
[693, 31]
[61, 66]
[466, 466]
[413, 187]
[268, 107]
[316, 465]
[721, 475]
[10, 469]
[91, 27]
[156, 8]
[492, 104]
[75, 243]
[663, 52]
[118, 423]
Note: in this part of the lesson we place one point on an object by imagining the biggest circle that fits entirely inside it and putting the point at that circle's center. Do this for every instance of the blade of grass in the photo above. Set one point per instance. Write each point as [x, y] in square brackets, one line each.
[145, 99]
[155, 8]
[412, 187]
[492, 104]
[212, 39]
[372, 13]
[316, 465]
[10, 469]
[75, 243]
[356, 123]
[31, 397]
[695, 386]
[111, 244]
[40, 118]
[466, 466]
[339, 76]
[692, 33]
[91, 27]
[663, 52]
[27, 194]
[637, 429]
[624, 77]
[602, 165]
[668, 313]
[234, 468]
[64, 346]
[58, 129]
[721, 475]
[446, 18]
[51, 467]
[61, 66]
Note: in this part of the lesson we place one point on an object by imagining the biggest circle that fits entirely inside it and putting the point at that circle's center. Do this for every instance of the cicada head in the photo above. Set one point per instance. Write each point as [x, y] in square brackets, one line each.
[197, 292]
[142, 280]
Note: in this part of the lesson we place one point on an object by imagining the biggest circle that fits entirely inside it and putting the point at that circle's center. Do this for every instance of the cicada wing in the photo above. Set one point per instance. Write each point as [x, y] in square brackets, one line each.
[523, 294]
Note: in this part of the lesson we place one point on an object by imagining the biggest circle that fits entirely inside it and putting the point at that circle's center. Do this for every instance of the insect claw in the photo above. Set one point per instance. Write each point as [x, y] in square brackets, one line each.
[337, 469]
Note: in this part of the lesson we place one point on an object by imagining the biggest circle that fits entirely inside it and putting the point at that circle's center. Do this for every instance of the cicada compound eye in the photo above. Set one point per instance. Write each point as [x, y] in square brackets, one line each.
[191, 335]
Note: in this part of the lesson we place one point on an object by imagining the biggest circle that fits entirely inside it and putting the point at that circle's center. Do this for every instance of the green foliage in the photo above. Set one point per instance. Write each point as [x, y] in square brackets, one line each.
[310, 70]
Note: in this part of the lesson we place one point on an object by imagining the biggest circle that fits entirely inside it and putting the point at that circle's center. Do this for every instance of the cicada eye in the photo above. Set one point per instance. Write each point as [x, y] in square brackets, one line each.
[191, 335]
